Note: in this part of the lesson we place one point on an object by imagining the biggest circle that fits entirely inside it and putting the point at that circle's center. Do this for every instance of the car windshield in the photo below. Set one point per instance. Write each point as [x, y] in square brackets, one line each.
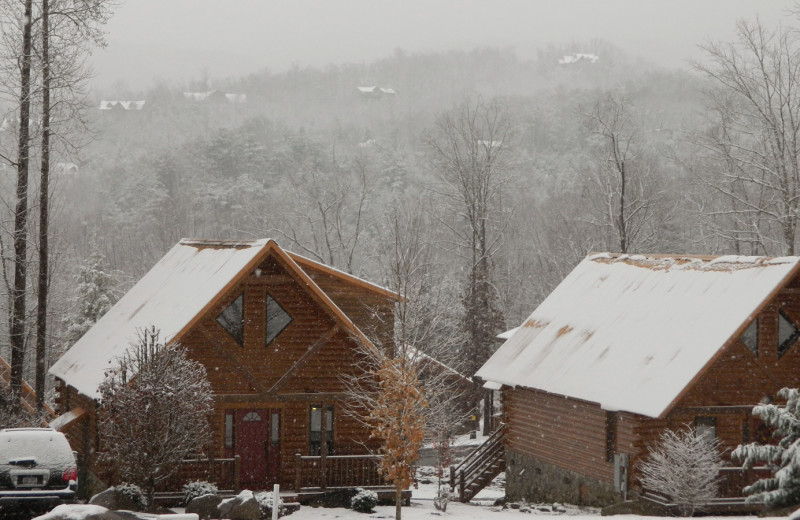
[47, 447]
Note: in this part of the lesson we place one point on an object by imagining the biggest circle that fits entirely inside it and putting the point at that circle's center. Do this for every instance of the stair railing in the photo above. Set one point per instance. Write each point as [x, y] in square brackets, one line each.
[476, 463]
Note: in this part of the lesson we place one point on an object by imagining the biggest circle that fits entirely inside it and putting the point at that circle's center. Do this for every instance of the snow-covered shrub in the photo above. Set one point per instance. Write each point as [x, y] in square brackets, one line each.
[441, 500]
[782, 489]
[265, 502]
[196, 489]
[684, 466]
[134, 493]
[153, 387]
[364, 500]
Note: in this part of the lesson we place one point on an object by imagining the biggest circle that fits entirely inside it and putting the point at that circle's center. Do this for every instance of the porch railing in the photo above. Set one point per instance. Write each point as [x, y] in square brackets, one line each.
[336, 471]
[734, 479]
[223, 472]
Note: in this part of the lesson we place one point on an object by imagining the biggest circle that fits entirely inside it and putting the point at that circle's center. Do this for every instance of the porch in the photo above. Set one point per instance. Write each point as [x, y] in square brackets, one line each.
[312, 474]
[730, 500]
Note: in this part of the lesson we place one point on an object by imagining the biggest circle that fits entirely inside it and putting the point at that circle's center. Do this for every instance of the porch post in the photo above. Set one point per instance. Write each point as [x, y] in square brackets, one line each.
[323, 447]
[298, 471]
[237, 464]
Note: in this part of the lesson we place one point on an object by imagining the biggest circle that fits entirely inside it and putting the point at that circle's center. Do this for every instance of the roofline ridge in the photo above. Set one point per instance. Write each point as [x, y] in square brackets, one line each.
[224, 243]
[594, 255]
[343, 274]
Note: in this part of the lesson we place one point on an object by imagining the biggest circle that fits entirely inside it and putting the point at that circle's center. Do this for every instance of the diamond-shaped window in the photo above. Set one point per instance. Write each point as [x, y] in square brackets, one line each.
[787, 333]
[750, 337]
[277, 319]
[232, 319]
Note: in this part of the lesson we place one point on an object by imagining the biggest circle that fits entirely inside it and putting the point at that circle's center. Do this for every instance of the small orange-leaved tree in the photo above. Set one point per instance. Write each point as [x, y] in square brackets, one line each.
[397, 417]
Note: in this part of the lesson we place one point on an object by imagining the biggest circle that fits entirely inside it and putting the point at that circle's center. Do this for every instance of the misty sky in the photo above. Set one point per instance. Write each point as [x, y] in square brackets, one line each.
[180, 40]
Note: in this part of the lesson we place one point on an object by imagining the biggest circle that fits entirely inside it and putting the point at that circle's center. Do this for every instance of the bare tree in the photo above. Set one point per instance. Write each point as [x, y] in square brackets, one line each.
[76, 26]
[154, 409]
[623, 197]
[752, 149]
[20, 234]
[327, 216]
[469, 147]
[684, 465]
[426, 330]
[405, 385]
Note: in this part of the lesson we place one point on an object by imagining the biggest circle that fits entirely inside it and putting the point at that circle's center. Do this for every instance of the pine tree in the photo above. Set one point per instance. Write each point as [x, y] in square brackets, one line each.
[783, 488]
[482, 319]
[96, 294]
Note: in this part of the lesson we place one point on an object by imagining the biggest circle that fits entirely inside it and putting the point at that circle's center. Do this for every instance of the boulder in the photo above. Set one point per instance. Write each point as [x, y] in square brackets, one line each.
[243, 506]
[205, 506]
[87, 512]
[114, 500]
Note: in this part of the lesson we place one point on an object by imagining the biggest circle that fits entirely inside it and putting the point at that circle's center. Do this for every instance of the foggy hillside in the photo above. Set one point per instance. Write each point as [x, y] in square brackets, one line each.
[333, 162]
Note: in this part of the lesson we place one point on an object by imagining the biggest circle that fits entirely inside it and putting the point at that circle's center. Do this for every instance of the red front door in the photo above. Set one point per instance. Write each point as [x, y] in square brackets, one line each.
[258, 446]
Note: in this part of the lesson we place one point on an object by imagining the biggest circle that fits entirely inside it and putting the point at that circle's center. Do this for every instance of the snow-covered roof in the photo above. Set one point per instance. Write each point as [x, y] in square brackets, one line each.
[507, 334]
[632, 332]
[236, 98]
[415, 355]
[67, 418]
[127, 105]
[198, 96]
[383, 291]
[176, 291]
[169, 296]
[578, 56]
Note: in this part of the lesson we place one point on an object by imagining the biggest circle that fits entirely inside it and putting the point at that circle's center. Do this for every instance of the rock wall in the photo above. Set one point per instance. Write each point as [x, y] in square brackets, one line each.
[535, 481]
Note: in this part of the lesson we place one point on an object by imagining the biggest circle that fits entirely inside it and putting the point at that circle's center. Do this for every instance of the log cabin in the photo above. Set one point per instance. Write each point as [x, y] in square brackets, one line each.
[275, 332]
[628, 346]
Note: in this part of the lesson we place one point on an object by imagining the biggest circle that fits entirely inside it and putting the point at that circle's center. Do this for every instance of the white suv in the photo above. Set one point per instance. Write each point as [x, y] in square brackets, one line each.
[37, 470]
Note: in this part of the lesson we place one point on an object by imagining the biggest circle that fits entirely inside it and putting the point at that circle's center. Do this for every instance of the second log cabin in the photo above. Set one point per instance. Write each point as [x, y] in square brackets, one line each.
[630, 345]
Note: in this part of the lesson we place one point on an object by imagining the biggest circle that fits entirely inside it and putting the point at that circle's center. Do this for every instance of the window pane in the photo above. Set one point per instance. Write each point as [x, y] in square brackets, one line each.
[787, 333]
[275, 436]
[277, 319]
[315, 430]
[229, 430]
[750, 337]
[252, 417]
[232, 319]
[316, 416]
[706, 427]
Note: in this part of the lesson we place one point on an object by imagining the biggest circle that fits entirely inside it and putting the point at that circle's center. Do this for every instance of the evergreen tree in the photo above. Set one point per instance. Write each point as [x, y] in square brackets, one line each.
[97, 292]
[783, 488]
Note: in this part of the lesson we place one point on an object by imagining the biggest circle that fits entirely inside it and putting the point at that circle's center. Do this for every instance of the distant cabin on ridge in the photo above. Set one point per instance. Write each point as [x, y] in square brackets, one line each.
[628, 346]
[275, 332]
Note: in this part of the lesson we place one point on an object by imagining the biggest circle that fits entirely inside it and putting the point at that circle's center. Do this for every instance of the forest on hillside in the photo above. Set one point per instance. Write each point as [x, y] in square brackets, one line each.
[501, 173]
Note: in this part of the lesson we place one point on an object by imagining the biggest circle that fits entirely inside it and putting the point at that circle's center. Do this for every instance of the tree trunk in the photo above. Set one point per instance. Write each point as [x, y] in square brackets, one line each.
[17, 319]
[488, 411]
[43, 282]
[398, 501]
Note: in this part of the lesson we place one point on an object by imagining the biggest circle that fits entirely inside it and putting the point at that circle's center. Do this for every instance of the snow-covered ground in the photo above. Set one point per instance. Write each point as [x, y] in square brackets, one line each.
[481, 507]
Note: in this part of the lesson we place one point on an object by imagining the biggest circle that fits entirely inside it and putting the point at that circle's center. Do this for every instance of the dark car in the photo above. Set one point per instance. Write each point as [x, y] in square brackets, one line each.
[37, 471]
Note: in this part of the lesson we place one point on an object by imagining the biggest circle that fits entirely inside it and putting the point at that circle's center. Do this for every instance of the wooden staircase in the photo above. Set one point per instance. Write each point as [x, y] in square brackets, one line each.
[28, 397]
[478, 469]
